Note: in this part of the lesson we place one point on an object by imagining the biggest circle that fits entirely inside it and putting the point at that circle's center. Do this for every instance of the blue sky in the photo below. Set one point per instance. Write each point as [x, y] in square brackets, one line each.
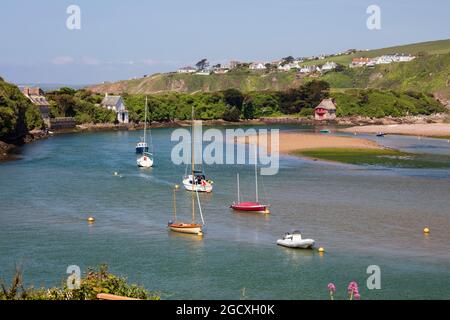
[124, 39]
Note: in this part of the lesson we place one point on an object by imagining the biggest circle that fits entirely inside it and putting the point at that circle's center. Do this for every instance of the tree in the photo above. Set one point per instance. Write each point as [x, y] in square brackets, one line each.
[314, 92]
[202, 64]
[248, 109]
[232, 114]
[65, 104]
[233, 97]
[288, 60]
[67, 90]
[308, 95]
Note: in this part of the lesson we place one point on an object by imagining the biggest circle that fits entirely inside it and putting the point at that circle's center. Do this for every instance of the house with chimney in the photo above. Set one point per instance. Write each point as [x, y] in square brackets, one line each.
[37, 97]
[116, 104]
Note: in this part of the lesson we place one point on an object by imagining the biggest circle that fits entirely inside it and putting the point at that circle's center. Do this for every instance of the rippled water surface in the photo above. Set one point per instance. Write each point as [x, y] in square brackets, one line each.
[361, 215]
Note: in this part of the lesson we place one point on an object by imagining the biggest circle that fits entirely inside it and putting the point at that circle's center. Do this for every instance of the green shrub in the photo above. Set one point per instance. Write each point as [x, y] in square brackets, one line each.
[93, 283]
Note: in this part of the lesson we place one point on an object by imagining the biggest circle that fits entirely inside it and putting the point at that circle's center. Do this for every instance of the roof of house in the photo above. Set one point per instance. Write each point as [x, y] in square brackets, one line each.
[355, 60]
[35, 95]
[327, 104]
[39, 100]
[35, 91]
[187, 68]
[111, 100]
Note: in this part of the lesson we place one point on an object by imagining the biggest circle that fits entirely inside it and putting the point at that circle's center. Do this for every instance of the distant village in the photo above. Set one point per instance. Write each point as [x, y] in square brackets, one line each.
[301, 65]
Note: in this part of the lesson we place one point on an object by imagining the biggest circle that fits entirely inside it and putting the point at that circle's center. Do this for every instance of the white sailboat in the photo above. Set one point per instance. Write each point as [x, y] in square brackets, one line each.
[146, 160]
[196, 181]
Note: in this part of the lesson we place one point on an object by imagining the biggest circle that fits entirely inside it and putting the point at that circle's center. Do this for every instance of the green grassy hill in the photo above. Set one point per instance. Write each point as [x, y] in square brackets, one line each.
[428, 73]
[428, 48]
[191, 83]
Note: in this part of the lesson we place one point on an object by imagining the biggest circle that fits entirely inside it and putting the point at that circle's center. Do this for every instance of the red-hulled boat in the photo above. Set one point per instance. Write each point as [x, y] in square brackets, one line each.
[250, 206]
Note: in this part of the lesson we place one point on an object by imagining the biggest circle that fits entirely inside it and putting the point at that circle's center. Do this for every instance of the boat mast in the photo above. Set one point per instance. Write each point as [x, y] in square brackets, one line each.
[145, 123]
[175, 204]
[239, 190]
[256, 172]
[193, 166]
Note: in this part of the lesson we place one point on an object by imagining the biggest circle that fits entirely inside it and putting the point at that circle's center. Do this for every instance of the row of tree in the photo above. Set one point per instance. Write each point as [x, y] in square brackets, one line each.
[229, 105]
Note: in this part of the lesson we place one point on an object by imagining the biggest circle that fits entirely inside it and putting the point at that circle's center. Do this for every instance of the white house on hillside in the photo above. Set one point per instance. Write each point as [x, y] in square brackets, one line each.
[257, 66]
[329, 66]
[406, 58]
[204, 72]
[309, 69]
[187, 69]
[289, 66]
[284, 67]
[116, 104]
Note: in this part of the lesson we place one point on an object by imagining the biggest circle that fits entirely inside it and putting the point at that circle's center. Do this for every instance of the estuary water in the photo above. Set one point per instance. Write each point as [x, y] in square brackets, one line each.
[361, 215]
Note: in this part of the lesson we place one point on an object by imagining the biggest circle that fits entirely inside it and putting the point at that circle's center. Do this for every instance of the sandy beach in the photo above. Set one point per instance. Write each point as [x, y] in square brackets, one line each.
[293, 141]
[429, 129]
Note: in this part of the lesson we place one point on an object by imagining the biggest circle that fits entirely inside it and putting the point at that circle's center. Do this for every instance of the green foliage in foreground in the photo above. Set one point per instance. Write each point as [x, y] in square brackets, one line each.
[378, 157]
[93, 283]
[17, 114]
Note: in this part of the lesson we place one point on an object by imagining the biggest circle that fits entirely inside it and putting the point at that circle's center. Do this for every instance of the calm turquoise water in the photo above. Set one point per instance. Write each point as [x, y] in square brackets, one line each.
[361, 215]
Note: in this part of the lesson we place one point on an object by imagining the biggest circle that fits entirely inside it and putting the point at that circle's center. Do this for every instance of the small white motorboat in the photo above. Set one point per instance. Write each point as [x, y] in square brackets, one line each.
[294, 240]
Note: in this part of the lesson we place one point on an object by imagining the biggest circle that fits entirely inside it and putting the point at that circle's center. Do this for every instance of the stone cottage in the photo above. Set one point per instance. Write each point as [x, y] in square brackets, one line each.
[116, 104]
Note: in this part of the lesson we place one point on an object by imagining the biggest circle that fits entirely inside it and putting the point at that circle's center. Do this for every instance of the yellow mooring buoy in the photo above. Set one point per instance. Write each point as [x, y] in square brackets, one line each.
[426, 230]
[91, 219]
[321, 250]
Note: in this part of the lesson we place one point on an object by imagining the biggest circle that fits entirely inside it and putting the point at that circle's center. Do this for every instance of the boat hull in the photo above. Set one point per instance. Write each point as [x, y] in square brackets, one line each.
[190, 228]
[296, 244]
[250, 207]
[207, 187]
[144, 162]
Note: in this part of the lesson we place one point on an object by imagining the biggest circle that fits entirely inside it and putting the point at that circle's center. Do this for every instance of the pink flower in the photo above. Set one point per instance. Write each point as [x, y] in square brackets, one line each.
[332, 287]
[352, 287]
[357, 296]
